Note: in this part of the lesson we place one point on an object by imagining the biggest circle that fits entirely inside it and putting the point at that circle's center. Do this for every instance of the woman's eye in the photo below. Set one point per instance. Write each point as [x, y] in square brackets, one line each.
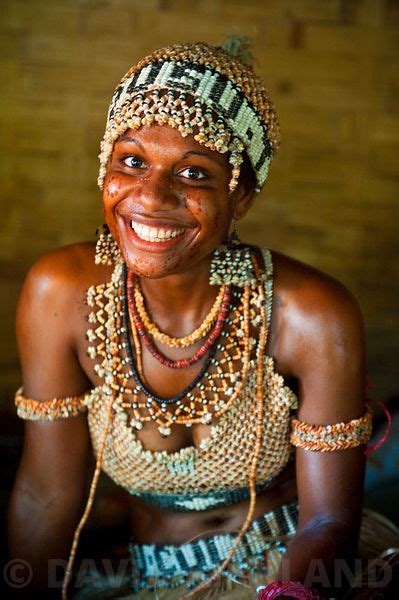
[133, 162]
[192, 173]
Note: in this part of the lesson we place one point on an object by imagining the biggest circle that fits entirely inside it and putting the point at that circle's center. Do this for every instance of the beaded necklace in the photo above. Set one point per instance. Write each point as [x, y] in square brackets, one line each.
[133, 355]
[205, 394]
[177, 342]
[132, 287]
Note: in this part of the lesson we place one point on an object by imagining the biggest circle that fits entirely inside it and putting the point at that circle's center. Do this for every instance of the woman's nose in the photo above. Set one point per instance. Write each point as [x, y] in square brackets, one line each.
[156, 192]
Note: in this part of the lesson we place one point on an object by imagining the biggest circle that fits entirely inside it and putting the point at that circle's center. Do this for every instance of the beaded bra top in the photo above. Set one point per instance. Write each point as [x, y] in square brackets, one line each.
[215, 472]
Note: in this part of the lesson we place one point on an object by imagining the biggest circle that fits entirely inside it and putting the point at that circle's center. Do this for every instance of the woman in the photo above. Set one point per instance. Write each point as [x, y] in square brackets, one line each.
[165, 335]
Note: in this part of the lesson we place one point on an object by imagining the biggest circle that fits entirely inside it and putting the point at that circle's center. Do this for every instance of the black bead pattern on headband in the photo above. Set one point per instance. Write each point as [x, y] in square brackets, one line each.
[132, 84]
[235, 106]
[265, 154]
[156, 67]
[217, 91]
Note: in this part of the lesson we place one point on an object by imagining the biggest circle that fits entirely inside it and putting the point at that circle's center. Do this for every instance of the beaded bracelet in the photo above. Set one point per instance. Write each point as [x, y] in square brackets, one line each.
[294, 589]
[49, 410]
[327, 438]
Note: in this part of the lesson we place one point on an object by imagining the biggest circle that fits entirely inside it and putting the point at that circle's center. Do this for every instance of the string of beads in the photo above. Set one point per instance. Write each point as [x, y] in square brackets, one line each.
[177, 342]
[254, 462]
[203, 405]
[183, 362]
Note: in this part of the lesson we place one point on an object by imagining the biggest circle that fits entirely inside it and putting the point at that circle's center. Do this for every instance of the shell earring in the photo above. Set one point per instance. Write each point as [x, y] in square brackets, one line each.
[232, 263]
[107, 250]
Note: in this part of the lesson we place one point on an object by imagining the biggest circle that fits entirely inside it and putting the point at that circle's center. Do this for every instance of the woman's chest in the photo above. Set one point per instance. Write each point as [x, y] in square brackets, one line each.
[193, 389]
[175, 404]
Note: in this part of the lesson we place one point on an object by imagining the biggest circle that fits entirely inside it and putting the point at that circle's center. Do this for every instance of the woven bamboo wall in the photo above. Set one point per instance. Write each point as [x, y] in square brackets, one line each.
[331, 199]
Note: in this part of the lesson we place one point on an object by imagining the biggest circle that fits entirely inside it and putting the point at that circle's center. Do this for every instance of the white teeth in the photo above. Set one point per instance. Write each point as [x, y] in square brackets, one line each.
[153, 234]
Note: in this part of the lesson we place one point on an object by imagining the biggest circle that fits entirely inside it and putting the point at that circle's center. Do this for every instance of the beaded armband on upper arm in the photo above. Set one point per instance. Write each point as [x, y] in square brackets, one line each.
[48, 410]
[327, 438]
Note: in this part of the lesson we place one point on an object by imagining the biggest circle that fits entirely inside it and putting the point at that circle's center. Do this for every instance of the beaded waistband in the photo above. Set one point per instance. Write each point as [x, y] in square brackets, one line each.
[188, 564]
[198, 502]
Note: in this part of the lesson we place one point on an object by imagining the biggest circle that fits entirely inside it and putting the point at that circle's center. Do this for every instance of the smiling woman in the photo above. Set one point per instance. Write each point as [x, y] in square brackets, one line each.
[184, 346]
[167, 201]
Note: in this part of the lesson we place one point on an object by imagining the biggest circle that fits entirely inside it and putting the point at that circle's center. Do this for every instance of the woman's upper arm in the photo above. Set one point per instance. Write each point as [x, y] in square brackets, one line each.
[48, 318]
[327, 357]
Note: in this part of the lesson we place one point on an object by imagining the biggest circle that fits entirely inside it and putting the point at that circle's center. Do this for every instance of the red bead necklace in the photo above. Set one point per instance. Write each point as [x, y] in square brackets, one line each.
[145, 336]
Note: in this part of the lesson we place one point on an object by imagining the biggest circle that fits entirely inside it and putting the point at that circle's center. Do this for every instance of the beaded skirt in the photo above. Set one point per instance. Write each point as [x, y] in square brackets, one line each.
[170, 571]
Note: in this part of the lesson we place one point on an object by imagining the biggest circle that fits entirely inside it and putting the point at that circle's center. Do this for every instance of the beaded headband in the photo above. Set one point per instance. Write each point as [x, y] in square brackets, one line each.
[202, 90]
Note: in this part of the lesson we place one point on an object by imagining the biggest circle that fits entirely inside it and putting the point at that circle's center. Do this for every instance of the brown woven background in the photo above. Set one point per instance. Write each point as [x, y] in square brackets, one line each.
[332, 196]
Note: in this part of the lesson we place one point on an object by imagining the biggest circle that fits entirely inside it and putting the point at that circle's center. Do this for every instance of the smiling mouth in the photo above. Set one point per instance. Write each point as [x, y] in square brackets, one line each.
[155, 234]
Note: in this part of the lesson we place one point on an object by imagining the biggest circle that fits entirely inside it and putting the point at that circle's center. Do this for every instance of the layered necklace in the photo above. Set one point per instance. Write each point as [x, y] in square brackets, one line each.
[219, 381]
[177, 342]
[123, 326]
[147, 330]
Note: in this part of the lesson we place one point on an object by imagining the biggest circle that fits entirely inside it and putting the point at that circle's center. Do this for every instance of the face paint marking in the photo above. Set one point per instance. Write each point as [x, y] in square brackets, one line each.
[112, 187]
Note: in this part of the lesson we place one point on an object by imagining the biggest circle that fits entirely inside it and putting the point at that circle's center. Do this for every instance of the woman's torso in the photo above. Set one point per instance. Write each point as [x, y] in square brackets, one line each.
[151, 523]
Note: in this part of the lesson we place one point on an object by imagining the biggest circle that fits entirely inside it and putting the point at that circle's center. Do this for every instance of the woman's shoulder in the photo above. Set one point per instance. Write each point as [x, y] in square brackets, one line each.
[57, 282]
[308, 290]
[51, 320]
[313, 315]
[64, 272]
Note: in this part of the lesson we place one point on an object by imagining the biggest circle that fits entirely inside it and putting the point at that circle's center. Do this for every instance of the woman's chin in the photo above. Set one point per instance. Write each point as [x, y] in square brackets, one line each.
[158, 266]
[149, 265]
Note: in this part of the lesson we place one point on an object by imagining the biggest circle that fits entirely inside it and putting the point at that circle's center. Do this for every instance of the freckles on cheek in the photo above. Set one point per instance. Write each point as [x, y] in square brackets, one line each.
[199, 209]
[192, 202]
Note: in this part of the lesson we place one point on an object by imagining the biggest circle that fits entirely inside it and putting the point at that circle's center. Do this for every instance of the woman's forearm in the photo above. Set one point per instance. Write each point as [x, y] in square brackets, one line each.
[321, 556]
[40, 529]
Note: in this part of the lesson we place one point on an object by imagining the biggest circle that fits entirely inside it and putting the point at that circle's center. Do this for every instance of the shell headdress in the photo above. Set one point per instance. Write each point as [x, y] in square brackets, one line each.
[201, 90]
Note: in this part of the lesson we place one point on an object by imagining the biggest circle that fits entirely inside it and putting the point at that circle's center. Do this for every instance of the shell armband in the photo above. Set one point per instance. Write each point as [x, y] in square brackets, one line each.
[48, 410]
[327, 438]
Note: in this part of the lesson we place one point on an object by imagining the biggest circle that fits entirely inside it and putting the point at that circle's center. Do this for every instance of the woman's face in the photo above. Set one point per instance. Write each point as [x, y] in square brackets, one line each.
[166, 200]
